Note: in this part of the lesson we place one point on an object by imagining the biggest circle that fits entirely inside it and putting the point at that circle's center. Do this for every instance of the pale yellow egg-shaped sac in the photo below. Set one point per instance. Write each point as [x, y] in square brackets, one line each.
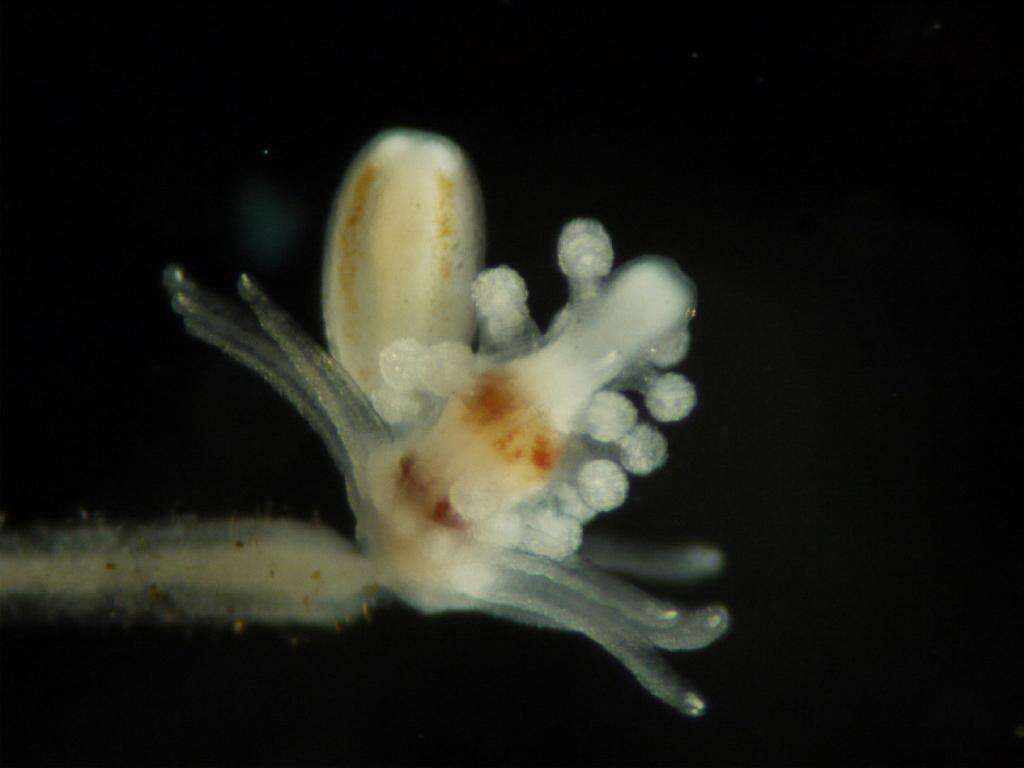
[404, 243]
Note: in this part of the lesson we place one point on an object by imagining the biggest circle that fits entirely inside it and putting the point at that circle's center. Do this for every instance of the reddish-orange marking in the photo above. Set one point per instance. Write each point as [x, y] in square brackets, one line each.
[518, 434]
[348, 263]
[493, 399]
[506, 439]
[418, 493]
[445, 217]
[408, 478]
[360, 193]
[405, 465]
[443, 514]
[543, 453]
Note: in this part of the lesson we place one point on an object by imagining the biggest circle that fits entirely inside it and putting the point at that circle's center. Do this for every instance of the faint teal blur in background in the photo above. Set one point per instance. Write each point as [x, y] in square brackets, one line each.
[268, 223]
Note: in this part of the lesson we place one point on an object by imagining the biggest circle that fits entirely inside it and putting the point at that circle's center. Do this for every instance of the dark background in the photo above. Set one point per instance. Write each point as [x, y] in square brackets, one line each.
[838, 181]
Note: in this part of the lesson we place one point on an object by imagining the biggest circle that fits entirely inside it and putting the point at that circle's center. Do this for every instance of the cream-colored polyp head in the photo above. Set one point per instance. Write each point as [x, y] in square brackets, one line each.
[472, 475]
[404, 242]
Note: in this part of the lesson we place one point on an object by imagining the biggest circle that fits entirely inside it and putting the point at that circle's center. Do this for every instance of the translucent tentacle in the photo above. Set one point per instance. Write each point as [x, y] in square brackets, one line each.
[663, 624]
[673, 563]
[602, 589]
[274, 346]
[236, 332]
[535, 600]
[337, 393]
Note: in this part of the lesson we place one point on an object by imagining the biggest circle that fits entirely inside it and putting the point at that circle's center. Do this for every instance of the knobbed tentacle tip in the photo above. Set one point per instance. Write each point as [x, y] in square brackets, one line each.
[693, 705]
[247, 287]
[174, 277]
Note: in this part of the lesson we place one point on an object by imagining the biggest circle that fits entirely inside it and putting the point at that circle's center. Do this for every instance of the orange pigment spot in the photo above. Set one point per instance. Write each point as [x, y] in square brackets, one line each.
[409, 479]
[503, 442]
[491, 400]
[416, 491]
[443, 514]
[543, 453]
[495, 410]
[445, 217]
[405, 465]
[360, 194]
[444, 249]
[348, 243]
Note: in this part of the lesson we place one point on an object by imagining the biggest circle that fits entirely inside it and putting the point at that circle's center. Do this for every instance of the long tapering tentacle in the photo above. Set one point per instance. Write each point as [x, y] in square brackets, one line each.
[355, 420]
[268, 342]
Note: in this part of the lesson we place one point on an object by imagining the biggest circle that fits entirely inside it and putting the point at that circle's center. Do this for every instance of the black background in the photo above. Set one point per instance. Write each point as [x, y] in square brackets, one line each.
[839, 182]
